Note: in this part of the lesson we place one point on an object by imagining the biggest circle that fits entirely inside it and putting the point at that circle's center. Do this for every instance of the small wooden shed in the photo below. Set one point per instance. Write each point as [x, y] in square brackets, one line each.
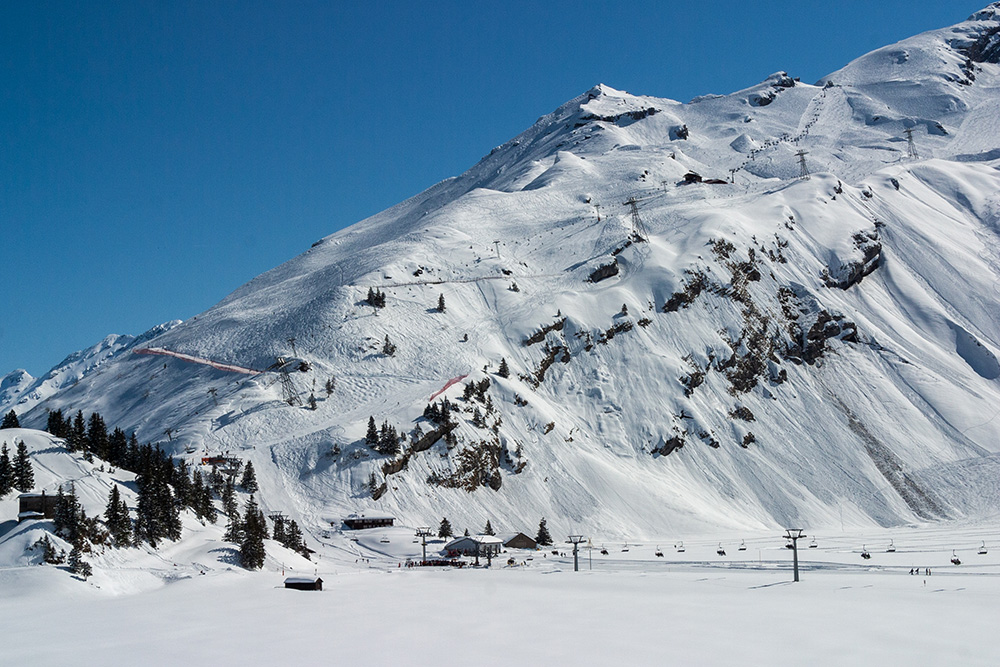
[304, 583]
[518, 541]
[36, 506]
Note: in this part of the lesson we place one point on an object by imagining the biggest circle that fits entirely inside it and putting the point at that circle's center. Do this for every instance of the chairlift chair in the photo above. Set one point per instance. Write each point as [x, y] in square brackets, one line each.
[659, 554]
[954, 558]
[864, 553]
[743, 546]
[720, 550]
[891, 548]
[982, 549]
[813, 545]
[680, 548]
[384, 540]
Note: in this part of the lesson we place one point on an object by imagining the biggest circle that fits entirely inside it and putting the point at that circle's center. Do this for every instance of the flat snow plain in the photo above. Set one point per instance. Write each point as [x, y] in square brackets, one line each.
[691, 608]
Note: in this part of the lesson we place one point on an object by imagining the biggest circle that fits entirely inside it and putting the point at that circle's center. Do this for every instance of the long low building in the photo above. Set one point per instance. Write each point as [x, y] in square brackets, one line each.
[363, 521]
[474, 545]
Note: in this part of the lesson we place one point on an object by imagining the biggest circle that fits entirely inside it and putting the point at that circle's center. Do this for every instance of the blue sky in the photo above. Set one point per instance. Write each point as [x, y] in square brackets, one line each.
[155, 156]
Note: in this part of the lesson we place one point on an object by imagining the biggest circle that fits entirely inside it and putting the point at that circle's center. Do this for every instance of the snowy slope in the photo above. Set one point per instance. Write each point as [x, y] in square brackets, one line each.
[851, 314]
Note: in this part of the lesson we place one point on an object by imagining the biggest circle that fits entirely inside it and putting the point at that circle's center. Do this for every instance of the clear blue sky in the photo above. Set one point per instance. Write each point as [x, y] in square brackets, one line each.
[155, 156]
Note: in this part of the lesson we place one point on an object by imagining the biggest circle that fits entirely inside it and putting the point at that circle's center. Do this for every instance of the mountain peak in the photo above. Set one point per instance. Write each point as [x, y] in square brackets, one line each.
[989, 13]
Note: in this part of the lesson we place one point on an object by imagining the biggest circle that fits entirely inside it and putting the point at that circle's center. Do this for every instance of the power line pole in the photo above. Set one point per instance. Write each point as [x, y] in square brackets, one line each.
[911, 148]
[637, 227]
[803, 168]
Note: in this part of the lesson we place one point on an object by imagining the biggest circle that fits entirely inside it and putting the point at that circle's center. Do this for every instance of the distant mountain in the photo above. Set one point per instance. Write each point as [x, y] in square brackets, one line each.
[752, 310]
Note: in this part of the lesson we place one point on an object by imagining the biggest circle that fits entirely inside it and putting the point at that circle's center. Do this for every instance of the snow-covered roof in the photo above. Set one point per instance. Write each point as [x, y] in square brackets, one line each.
[302, 580]
[378, 517]
[30, 515]
[480, 539]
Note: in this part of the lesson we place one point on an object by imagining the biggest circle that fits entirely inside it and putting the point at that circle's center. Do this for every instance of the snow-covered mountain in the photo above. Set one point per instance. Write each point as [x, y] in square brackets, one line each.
[741, 348]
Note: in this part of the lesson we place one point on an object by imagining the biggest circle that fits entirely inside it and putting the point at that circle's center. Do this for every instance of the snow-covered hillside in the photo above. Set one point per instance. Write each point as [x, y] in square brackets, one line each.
[742, 349]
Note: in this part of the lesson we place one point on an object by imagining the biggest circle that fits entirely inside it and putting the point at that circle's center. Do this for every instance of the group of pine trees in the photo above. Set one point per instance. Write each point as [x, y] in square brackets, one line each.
[383, 440]
[375, 298]
[542, 538]
[10, 420]
[17, 473]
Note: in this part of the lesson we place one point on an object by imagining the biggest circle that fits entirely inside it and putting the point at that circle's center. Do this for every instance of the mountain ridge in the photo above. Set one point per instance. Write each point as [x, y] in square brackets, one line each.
[849, 314]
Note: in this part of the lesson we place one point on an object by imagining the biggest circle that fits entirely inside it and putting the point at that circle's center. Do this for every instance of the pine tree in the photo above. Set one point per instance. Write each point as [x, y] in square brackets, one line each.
[10, 420]
[76, 563]
[68, 514]
[279, 529]
[181, 480]
[118, 448]
[330, 385]
[372, 483]
[249, 481]
[24, 474]
[6, 472]
[466, 532]
[76, 434]
[229, 498]
[311, 401]
[488, 530]
[294, 539]
[543, 539]
[444, 530]
[234, 528]
[97, 436]
[252, 553]
[504, 371]
[440, 307]
[371, 437]
[116, 515]
[55, 424]
[388, 349]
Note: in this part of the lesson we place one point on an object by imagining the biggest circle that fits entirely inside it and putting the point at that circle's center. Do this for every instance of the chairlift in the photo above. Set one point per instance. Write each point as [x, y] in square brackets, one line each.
[743, 546]
[625, 548]
[891, 549]
[789, 545]
[982, 549]
[659, 554]
[384, 540]
[813, 545]
[720, 550]
[954, 558]
[864, 553]
[680, 548]
[604, 551]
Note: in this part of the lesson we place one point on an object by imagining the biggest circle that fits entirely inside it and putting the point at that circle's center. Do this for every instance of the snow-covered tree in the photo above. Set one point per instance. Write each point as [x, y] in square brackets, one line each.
[488, 530]
[543, 538]
[10, 420]
[6, 471]
[444, 530]
[24, 474]
[252, 553]
[249, 481]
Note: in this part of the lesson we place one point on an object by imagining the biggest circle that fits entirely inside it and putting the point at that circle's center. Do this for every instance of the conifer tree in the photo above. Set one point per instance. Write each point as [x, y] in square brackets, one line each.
[6, 472]
[252, 551]
[488, 530]
[294, 539]
[234, 528]
[97, 436]
[249, 481]
[330, 385]
[76, 563]
[68, 514]
[440, 307]
[24, 474]
[181, 480]
[55, 424]
[77, 434]
[388, 349]
[118, 448]
[10, 420]
[311, 401]
[444, 530]
[504, 371]
[117, 518]
[543, 539]
[279, 529]
[229, 498]
[466, 532]
[371, 437]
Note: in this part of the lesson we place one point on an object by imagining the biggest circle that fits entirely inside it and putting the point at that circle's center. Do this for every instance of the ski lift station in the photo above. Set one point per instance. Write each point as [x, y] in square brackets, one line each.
[364, 521]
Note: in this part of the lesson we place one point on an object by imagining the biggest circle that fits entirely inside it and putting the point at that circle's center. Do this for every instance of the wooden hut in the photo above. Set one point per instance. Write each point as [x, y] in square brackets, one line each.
[36, 506]
[304, 583]
[518, 541]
